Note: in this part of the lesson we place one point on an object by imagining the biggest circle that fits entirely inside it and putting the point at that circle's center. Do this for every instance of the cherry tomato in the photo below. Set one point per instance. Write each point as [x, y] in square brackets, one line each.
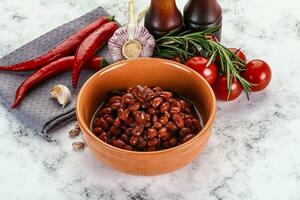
[238, 53]
[258, 72]
[221, 92]
[198, 64]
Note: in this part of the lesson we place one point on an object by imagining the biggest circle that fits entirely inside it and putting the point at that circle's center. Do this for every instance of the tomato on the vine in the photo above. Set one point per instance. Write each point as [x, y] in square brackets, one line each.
[221, 91]
[259, 73]
[198, 64]
[238, 53]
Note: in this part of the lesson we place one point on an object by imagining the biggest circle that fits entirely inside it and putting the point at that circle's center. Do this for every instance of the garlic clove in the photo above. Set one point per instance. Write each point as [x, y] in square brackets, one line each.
[62, 94]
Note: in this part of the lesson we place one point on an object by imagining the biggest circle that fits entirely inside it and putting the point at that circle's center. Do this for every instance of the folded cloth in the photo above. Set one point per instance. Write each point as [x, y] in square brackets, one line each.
[38, 111]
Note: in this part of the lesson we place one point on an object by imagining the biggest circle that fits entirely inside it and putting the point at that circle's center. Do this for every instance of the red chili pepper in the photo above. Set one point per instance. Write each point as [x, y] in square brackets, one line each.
[90, 46]
[59, 66]
[63, 49]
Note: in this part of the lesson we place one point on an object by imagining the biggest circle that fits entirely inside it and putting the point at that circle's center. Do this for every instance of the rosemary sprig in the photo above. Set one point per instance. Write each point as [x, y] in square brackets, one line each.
[198, 43]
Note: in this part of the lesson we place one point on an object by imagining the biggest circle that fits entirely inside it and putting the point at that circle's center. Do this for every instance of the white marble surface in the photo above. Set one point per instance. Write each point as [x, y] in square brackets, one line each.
[253, 153]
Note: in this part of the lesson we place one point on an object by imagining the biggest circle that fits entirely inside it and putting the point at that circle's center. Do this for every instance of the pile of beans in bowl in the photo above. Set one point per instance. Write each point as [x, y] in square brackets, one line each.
[146, 119]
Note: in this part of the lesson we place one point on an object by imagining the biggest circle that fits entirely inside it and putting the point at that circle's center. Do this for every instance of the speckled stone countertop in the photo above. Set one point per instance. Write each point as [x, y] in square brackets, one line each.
[253, 153]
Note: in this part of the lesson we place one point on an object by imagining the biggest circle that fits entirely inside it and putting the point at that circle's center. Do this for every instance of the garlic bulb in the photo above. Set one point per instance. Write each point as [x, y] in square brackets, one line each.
[131, 41]
[62, 94]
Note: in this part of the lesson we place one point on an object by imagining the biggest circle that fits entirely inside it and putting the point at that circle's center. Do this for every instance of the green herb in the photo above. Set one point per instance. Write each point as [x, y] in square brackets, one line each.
[189, 44]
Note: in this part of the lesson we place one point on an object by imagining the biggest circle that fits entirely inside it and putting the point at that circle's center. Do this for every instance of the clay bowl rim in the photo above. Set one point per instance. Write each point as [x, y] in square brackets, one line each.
[87, 130]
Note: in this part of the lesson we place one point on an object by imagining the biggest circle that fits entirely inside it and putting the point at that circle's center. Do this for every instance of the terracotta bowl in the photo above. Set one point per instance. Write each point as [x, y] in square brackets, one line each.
[150, 72]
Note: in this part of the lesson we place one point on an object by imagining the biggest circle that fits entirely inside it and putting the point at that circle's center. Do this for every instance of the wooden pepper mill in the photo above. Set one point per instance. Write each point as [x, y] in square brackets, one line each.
[162, 17]
[200, 15]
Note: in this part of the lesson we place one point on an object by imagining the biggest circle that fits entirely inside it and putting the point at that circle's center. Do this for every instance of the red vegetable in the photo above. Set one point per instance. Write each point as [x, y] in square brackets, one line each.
[198, 64]
[221, 91]
[90, 46]
[63, 49]
[239, 53]
[259, 73]
[62, 65]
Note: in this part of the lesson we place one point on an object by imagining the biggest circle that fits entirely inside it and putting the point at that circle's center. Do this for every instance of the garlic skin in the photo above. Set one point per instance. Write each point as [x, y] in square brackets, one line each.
[62, 94]
[120, 37]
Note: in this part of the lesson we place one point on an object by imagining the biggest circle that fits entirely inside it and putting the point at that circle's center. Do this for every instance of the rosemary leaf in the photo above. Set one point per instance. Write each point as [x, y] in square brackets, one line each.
[189, 44]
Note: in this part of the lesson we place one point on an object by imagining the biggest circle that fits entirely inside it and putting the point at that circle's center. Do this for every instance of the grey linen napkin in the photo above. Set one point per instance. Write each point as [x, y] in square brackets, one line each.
[38, 111]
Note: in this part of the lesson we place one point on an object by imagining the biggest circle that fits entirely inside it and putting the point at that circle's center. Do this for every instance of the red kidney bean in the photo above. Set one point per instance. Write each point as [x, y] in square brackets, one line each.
[150, 96]
[187, 110]
[97, 122]
[98, 131]
[129, 148]
[110, 120]
[115, 130]
[116, 105]
[104, 124]
[115, 99]
[156, 102]
[174, 110]
[166, 136]
[188, 137]
[157, 125]
[185, 103]
[124, 137]
[187, 116]
[162, 132]
[178, 121]
[152, 142]
[118, 143]
[133, 140]
[172, 101]
[151, 133]
[140, 117]
[164, 107]
[106, 116]
[165, 94]
[185, 131]
[173, 141]
[157, 89]
[103, 137]
[135, 106]
[151, 110]
[138, 130]
[141, 144]
[128, 98]
[123, 114]
[188, 123]
[197, 124]
[106, 111]
[163, 120]
[171, 126]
